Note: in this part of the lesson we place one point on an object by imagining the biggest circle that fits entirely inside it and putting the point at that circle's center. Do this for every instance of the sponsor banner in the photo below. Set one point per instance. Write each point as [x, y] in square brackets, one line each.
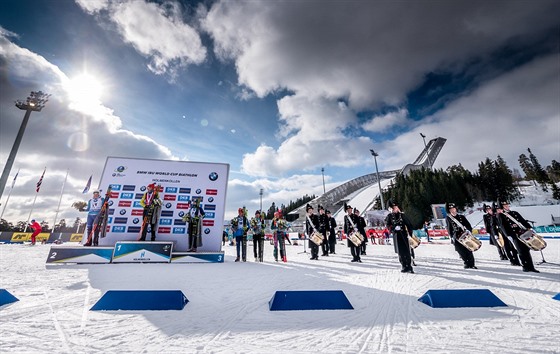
[75, 237]
[115, 187]
[142, 252]
[207, 222]
[19, 237]
[179, 183]
[62, 254]
[183, 257]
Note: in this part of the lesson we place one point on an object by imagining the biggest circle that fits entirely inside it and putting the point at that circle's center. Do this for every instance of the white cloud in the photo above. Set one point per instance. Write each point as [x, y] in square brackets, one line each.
[387, 121]
[156, 31]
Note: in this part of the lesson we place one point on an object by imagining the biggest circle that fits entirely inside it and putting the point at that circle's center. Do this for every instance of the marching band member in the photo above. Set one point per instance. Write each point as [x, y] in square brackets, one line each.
[401, 228]
[456, 225]
[152, 204]
[351, 225]
[509, 220]
[194, 217]
[257, 224]
[239, 225]
[332, 233]
[324, 229]
[491, 226]
[311, 225]
[509, 248]
[362, 229]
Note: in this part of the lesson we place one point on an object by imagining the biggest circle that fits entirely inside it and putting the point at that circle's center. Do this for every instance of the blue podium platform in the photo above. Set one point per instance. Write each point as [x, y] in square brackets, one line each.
[6, 297]
[461, 298]
[142, 252]
[309, 300]
[141, 300]
[556, 297]
[80, 255]
[197, 257]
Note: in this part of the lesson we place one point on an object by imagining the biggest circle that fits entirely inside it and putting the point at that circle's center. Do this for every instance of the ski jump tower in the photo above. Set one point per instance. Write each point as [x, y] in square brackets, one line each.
[335, 198]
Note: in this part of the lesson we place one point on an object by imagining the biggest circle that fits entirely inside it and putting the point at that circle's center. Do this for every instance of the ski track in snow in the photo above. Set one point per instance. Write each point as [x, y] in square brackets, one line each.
[228, 305]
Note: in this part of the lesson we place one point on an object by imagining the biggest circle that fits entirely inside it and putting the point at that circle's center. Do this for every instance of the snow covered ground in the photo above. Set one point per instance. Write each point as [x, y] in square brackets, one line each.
[228, 309]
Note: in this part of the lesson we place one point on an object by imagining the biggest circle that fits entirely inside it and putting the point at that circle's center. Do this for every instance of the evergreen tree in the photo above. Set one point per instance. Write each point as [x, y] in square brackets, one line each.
[540, 174]
[553, 171]
[505, 188]
[527, 167]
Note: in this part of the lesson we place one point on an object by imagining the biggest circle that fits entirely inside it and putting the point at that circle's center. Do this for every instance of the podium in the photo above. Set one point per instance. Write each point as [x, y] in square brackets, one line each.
[142, 252]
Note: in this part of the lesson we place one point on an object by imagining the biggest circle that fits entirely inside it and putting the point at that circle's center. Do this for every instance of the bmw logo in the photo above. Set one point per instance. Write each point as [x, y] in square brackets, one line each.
[135, 221]
[120, 169]
[181, 213]
[168, 205]
[213, 176]
[206, 231]
[114, 174]
[210, 199]
[122, 212]
[198, 191]
[110, 203]
[143, 188]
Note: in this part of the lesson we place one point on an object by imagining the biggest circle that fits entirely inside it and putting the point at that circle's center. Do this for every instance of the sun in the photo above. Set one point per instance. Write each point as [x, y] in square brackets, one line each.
[84, 89]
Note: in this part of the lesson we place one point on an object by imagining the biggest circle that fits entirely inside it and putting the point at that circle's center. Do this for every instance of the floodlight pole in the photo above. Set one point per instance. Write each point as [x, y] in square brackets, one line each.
[261, 194]
[378, 181]
[34, 103]
[323, 173]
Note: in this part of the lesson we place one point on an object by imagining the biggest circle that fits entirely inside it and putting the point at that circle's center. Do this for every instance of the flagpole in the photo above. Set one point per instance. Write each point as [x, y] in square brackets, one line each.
[60, 200]
[31, 211]
[35, 199]
[9, 193]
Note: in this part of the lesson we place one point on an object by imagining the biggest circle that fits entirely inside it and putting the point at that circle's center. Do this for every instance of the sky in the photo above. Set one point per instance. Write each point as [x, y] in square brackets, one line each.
[277, 89]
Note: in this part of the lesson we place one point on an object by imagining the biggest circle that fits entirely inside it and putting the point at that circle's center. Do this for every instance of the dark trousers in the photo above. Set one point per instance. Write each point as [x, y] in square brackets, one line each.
[524, 254]
[511, 252]
[403, 249]
[258, 246]
[364, 244]
[332, 242]
[466, 255]
[325, 244]
[241, 246]
[145, 231]
[355, 251]
[314, 250]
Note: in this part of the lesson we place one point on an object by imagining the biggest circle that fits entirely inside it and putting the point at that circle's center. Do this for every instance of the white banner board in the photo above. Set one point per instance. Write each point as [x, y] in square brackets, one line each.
[181, 182]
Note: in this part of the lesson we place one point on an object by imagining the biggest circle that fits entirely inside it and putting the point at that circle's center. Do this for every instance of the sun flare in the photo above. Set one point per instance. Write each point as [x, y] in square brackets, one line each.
[84, 89]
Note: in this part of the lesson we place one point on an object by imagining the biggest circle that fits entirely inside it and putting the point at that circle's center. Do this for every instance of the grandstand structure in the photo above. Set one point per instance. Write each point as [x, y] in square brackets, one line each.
[362, 192]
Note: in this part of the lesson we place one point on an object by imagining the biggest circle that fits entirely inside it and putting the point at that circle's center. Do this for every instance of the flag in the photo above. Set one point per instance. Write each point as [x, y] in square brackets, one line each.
[40, 180]
[14, 181]
[88, 184]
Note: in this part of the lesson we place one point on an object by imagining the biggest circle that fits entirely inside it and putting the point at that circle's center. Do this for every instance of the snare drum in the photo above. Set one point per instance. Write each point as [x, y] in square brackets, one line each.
[533, 240]
[469, 241]
[317, 238]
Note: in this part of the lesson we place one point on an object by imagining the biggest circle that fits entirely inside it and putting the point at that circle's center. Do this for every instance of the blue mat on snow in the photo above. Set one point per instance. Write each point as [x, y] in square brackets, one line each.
[141, 300]
[6, 297]
[309, 300]
[461, 298]
[556, 297]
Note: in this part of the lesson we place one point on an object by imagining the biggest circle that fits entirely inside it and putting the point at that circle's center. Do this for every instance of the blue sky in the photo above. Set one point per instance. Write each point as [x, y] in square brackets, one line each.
[277, 89]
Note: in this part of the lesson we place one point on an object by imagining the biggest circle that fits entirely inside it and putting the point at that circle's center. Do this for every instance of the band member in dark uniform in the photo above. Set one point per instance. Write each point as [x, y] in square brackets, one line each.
[332, 233]
[362, 229]
[312, 225]
[401, 228]
[508, 221]
[495, 230]
[351, 225]
[194, 218]
[152, 204]
[491, 226]
[324, 229]
[455, 231]
[257, 224]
